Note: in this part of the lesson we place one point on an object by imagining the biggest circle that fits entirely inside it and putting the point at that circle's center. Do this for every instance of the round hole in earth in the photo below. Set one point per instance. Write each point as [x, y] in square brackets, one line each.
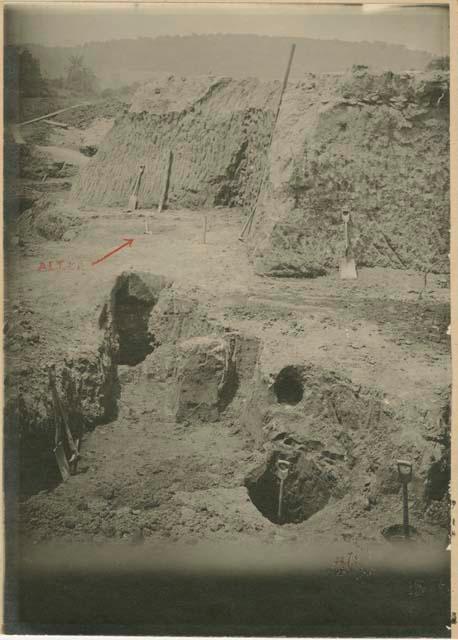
[288, 386]
[305, 489]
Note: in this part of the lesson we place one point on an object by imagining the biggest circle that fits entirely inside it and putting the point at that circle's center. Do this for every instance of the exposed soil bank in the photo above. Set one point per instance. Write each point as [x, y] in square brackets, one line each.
[88, 388]
[217, 129]
[375, 143]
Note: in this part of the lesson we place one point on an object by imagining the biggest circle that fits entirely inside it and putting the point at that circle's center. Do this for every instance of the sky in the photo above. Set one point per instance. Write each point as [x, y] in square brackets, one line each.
[417, 27]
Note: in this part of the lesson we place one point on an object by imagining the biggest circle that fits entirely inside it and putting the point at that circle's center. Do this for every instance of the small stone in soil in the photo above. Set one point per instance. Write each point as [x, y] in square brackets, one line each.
[108, 530]
[83, 469]
[137, 536]
[108, 493]
[152, 504]
[82, 505]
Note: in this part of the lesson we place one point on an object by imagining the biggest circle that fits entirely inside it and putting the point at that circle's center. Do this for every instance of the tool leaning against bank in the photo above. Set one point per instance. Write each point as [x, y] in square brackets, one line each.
[165, 191]
[133, 200]
[347, 266]
[67, 467]
[246, 229]
[281, 471]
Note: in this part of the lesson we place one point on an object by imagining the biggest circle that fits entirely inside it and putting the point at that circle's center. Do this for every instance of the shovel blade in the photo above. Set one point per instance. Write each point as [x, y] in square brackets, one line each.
[132, 204]
[62, 462]
[347, 269]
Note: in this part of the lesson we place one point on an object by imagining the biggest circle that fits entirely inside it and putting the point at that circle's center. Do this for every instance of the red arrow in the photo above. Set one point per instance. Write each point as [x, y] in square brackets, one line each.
[128, 243]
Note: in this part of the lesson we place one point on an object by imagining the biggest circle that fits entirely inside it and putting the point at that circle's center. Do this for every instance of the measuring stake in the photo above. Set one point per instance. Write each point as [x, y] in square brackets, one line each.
[246, 229]
[165, 191]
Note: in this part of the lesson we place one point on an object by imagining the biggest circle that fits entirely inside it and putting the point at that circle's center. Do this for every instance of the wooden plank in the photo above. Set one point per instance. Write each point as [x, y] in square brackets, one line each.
[249, 221]
[55, 113]
[53, 123]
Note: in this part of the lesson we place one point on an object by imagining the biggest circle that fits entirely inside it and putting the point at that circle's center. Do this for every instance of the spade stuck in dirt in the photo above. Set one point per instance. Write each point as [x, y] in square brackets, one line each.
[347, 268]
[133, 200]
[61, 460]
[66, 467]
[282, 468]
[59, 449]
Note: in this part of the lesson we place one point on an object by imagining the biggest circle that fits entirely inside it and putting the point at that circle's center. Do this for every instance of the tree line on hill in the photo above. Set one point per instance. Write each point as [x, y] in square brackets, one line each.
[24, 77]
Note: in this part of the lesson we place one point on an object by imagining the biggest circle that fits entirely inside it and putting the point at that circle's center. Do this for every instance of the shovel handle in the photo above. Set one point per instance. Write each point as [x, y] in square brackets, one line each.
[347, 244]
[346, 220]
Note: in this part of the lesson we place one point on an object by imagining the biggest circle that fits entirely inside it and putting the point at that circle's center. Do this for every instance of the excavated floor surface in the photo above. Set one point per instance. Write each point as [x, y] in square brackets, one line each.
[143, 476]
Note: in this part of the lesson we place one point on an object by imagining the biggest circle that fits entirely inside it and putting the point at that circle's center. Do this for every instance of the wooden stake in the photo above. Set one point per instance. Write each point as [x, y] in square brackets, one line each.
[205, 230]
[249, 221]
[55, 113]
[54, 123]
[165, 191]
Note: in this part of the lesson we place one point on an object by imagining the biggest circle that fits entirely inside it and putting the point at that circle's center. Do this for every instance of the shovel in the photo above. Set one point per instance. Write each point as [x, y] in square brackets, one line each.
[133, 200]
[347, 267]
[405, 476]
[59, 452]
[281, 471]
[165, 191]
[66, 467]
[59, 449]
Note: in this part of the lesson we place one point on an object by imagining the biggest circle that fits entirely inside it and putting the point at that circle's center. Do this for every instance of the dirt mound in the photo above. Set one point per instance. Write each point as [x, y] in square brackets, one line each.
[205, 378]
[217, 130]
[85, 117]
[87, 385]
[49, 219]
[339, 439]
[74, 141]
[376, 143]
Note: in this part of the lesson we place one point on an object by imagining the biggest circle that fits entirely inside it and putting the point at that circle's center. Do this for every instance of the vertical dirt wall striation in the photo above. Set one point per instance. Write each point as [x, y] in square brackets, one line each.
[217, 130]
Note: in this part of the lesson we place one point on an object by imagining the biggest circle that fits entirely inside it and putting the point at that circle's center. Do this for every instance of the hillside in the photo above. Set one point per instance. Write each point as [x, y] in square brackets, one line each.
[123, 61]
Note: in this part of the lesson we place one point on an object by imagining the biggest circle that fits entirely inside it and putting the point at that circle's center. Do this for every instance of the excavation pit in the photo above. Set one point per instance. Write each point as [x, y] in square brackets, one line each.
[132, 303]
[305, 489]
[288, 387]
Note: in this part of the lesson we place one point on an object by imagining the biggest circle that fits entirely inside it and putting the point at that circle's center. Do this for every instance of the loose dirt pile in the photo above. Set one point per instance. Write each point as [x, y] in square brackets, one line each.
[48, 218]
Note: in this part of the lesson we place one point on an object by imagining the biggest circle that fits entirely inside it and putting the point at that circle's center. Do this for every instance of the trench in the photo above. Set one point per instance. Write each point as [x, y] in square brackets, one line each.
[88, 389]
[132, 303]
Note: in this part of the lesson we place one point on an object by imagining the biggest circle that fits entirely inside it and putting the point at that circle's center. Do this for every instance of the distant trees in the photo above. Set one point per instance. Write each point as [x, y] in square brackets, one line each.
[80, 79]
[23, 79]
[441, 63]
[23, 73]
